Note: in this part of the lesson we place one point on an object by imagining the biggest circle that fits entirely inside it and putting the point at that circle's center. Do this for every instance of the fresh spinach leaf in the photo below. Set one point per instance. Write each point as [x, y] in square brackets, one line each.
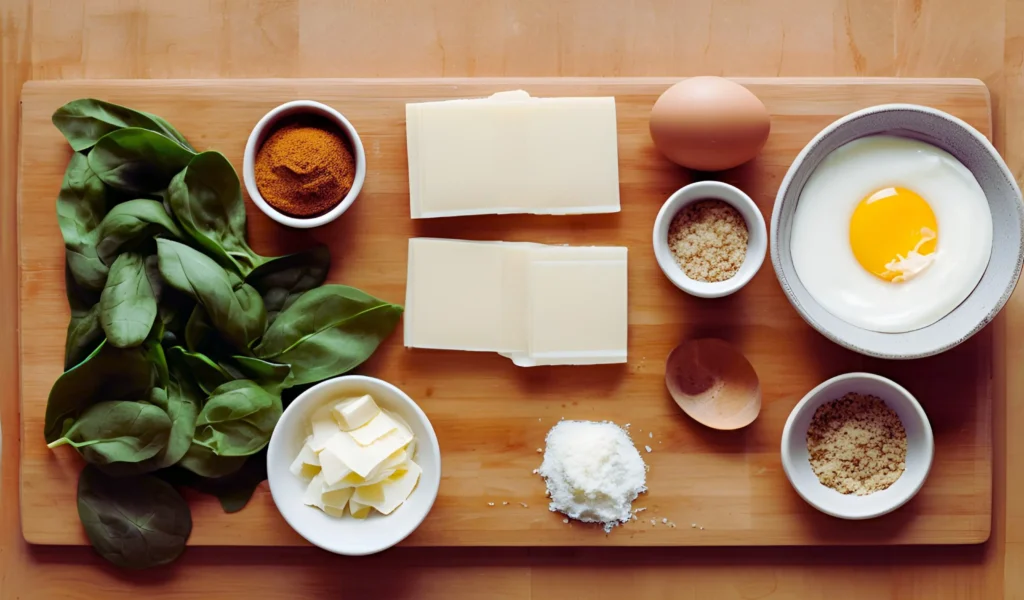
[237, 419]
[182, 407]
[280, 281]
[180, 402]
[169, 130]
[109, 373]
[175, 307]
[202, 338]
[127, 304]
[156, 281]
[84, 121]
[206, 198]
[84, 330]
[207, 374]
[136, 522]
[130, 222]
[328, 331]
[198, 330]
[202, 461]
[137, 160]
[234, 490]
[84, 334]
[118, 432]
[238, 314]
[153, 350]
[271, 376]
[81, 206]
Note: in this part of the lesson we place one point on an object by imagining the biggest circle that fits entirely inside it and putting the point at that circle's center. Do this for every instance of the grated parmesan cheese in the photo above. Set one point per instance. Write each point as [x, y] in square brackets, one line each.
[593, 472]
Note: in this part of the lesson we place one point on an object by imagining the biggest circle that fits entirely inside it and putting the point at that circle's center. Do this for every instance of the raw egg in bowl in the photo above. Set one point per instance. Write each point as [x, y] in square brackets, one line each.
[897, 231]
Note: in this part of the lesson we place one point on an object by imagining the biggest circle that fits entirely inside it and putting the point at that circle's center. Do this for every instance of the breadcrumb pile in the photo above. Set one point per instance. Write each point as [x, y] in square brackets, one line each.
[709, 240]
[857, 445]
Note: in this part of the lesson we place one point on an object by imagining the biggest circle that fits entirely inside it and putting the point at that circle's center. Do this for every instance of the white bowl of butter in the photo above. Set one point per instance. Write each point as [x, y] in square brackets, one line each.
[383, 448]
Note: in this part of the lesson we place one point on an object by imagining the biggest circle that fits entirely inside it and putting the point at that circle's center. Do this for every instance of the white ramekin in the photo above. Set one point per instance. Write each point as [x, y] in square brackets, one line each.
[920, 448]
[259, 134]
[757, 237]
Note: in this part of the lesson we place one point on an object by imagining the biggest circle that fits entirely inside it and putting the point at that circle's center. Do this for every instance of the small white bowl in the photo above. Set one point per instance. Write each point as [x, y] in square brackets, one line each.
[920, 448]
[348, 535]
[757, 237]
[259, 134]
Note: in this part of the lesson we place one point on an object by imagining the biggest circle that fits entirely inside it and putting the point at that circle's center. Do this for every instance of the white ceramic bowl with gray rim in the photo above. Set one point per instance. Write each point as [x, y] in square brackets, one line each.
[972, 149]
[757, 237]
[920, 448]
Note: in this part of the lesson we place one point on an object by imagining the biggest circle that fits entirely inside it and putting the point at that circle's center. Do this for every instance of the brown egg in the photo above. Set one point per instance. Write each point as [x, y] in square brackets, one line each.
[709, 124]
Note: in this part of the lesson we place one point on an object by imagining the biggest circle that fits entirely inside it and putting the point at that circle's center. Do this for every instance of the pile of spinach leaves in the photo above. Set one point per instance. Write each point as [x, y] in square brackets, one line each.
[182, 338]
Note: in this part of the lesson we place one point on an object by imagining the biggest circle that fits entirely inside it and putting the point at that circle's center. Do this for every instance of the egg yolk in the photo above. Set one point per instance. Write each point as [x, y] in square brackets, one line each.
[893, 234]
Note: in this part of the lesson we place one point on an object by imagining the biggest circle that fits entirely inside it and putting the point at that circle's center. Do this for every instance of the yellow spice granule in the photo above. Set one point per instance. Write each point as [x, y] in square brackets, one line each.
[709, 240]
[857, 445]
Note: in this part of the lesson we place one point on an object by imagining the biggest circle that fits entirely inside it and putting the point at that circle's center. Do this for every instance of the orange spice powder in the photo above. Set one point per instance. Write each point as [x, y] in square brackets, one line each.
[304, 169]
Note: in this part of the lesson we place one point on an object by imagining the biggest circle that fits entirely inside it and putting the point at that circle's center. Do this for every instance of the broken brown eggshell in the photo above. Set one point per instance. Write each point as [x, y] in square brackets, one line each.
[713, 383]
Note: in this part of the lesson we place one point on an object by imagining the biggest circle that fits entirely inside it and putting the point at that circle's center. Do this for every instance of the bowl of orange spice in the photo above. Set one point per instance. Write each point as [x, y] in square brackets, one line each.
[304, 164]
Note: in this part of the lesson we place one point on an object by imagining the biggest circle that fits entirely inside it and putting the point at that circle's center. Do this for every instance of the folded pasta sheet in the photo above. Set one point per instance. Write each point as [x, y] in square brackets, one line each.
[535, 304]
[512, 153]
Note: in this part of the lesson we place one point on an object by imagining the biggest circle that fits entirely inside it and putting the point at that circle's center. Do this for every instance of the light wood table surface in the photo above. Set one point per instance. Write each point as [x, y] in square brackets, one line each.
[401, 38]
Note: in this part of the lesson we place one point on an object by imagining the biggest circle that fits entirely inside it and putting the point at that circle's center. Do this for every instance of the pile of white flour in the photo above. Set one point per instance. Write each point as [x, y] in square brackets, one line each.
[593, 472]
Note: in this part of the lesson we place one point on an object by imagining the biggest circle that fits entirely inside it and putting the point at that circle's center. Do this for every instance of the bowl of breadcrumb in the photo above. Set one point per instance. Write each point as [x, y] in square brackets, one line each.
[858, 446]
[710, 239]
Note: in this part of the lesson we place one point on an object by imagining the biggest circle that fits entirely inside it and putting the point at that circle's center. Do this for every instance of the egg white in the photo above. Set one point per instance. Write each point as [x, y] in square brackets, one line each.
[820, 242]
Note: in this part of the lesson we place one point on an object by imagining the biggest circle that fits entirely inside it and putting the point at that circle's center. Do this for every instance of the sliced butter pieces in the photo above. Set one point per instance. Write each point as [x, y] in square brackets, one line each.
[359, 511]
[511, 153]
[387, 495]
[533, 303]
[362, 460]
[395, 463]
[314, 492]
[337, 500]
[375, 429]
[376, 454]
[324, 428]
[307, 463]
[355, 413]
[332, 467]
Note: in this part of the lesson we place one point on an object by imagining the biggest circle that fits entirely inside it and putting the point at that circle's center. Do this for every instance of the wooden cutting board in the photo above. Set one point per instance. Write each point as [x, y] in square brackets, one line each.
[718, 488]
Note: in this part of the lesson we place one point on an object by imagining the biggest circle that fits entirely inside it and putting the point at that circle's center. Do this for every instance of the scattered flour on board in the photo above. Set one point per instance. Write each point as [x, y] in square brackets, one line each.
[593, 472]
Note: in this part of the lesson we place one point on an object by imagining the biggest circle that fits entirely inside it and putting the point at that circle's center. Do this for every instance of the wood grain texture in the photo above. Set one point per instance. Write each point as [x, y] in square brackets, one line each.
[73, 39]
[489, 415]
